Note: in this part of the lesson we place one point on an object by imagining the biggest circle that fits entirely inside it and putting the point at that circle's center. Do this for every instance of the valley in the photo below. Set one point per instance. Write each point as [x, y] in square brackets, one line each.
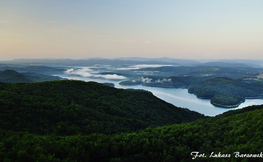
[70, 116]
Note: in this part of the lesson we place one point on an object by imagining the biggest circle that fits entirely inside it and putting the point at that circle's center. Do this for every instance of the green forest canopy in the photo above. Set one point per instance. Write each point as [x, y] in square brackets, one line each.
[238, 137]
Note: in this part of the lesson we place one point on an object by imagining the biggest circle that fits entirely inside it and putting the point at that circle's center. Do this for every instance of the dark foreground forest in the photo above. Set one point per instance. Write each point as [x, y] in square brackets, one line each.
[79, 121]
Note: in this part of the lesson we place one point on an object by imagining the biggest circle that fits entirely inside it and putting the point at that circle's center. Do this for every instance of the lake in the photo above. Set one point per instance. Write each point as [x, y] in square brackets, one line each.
[176, 96]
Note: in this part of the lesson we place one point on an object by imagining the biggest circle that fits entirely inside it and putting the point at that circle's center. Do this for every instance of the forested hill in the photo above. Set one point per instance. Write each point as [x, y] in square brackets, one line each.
[71, 107]
[12, 76]
[226, 92]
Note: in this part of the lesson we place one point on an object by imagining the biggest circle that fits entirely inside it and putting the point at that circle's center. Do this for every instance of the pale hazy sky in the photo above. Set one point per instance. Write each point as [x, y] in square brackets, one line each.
[190, 29]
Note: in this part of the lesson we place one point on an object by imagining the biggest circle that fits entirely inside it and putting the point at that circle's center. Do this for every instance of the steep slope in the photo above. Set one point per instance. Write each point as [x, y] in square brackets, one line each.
[70, 107]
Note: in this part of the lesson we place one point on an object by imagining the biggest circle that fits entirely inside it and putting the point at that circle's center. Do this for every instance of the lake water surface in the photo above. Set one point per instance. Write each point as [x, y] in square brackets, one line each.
[176, 96]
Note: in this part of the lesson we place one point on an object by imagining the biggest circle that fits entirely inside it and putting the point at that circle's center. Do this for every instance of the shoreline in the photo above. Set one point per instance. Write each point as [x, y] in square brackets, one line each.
[225, 106]
[236, 105]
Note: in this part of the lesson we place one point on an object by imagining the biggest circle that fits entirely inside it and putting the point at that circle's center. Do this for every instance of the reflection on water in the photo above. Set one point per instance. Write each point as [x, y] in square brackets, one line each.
[178, 97]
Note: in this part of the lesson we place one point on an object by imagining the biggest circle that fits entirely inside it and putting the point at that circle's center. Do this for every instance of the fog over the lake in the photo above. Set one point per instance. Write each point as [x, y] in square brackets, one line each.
[89, 73]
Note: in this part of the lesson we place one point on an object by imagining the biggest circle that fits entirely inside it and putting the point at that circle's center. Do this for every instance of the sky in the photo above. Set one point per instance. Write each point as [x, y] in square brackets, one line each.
[182, 29]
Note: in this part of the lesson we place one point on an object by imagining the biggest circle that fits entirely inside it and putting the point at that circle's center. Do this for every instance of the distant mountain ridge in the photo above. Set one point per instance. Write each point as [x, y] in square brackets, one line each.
[138, 60]
[225, 64]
